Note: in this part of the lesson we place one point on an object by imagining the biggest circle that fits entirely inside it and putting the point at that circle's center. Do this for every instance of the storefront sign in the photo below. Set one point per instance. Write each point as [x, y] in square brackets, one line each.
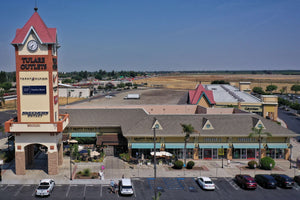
[35, 114]
[30, 63]
[34, 89]
[33, 78]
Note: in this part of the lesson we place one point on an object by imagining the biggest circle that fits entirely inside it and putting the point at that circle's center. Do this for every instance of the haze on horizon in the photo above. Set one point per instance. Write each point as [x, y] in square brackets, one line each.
[169, 35]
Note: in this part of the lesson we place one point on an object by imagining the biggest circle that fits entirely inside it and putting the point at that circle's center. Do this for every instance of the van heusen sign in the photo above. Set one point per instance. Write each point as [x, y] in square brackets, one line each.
[30, 63]
[35, 114]
[34, 89]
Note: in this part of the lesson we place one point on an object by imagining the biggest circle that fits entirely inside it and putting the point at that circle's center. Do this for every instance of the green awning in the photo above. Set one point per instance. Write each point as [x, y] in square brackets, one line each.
[277, 145]
[179, 145]
[83, 134]
[144, 145]
[247, 145]
[213, 145]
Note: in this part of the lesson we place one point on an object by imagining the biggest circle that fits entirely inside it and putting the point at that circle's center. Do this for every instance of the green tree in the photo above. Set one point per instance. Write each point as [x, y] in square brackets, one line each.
[258, 90]
[6, 86]
[187, 129]
[2, 100]
[3, 77]
[258, 132]
[295, 88]
[283, 89]
[271, 88]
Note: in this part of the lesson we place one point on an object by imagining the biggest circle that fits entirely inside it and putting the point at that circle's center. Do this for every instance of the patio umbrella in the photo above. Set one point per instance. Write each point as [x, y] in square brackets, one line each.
[165, 153]
[94, 153]
[157, 154]
[83, 151]
[72, 141]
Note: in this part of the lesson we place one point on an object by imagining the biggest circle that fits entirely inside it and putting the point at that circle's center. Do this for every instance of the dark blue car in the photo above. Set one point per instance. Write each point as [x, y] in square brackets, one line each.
[266, 181]
[283, 180]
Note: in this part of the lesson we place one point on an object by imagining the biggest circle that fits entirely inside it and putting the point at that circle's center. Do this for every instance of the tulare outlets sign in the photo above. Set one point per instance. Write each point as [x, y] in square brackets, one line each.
[30, 63]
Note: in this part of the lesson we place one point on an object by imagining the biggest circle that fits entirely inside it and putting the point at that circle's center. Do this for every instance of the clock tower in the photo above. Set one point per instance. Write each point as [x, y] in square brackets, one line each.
[38, 120]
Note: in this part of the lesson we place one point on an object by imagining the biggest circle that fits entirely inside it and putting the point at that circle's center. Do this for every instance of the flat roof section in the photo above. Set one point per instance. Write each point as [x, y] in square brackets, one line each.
[228, 93]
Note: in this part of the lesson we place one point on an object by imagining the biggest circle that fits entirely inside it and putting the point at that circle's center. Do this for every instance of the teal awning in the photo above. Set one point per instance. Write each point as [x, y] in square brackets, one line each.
[213, 145]
[277, 145]
[247, 145]
[83, 134]
[144, 145]
[179, 145]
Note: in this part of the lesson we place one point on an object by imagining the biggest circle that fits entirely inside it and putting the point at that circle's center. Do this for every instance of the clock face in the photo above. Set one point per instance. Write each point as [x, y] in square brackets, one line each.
[32, 45]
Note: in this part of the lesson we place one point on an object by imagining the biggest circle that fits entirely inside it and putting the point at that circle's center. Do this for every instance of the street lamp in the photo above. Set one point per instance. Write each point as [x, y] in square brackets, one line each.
[154, 141]
[291, 148]
[1, 163]
[71, 162]
[222, 155]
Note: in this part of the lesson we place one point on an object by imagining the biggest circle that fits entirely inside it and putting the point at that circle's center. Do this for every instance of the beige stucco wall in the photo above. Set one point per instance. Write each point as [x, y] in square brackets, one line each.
[46, 139]
[34, 103]
[42, 49]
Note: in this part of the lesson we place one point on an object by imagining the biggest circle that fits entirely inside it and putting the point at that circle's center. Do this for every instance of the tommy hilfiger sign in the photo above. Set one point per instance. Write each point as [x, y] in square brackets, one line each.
[35, 114]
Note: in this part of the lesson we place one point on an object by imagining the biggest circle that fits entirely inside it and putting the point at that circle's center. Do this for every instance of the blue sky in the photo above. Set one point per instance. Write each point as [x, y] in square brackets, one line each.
[163, 34]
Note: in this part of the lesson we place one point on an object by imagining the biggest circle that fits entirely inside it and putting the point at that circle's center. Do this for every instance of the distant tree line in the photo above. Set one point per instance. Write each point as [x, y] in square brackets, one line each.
[100, 75]
[271, 88]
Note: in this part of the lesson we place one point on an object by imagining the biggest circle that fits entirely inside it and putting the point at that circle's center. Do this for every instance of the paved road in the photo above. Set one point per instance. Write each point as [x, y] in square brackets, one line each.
[171, 188]
[292, 121]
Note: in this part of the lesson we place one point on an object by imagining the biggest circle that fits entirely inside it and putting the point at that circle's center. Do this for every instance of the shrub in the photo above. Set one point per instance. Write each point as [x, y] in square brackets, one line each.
[86, 172]
[265, 163]
[125, 156]
[190, 165]
[251, 164]
[178, 164]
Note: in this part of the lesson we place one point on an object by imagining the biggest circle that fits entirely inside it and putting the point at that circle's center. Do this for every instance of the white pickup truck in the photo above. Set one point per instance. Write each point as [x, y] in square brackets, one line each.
[45, 187]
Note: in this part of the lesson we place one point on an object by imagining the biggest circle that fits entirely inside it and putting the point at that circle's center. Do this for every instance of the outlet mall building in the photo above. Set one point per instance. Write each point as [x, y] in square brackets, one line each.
[132, 129]
[39, 122]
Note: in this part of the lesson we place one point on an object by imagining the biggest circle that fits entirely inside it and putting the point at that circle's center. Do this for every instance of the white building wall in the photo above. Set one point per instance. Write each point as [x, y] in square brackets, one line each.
[74, 92]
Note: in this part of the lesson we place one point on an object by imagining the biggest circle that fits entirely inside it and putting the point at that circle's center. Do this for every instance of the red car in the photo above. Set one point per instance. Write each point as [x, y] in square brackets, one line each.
[246, 181]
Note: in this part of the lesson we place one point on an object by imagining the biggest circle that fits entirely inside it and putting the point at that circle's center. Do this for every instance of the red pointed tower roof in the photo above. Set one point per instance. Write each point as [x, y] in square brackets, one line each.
[37, 25]
[195, 95]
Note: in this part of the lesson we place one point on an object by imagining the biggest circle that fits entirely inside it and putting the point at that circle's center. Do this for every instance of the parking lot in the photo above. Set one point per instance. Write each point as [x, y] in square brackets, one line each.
[171, 188]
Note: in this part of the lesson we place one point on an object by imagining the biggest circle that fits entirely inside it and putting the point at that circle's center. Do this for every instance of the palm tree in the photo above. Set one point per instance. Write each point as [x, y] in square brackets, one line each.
[258, 132]
[188, 129]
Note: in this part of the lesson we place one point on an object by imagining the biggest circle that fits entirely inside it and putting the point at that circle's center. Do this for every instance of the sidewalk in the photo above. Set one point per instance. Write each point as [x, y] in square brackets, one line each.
[210, 168]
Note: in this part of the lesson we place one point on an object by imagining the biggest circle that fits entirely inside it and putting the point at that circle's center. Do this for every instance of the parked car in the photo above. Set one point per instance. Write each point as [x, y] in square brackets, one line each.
[45, 187]
[283, 180]
[297, 179]
[245, 181]
[206, 183]
[126, 187]
[265, 180]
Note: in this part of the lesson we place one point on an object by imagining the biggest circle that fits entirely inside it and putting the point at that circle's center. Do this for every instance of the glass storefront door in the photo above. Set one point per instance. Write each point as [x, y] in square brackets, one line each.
[207, 154]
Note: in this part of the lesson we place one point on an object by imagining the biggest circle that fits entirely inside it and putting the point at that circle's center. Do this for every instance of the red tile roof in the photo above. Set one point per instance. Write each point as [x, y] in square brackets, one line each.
[45, 34]
[195, 95]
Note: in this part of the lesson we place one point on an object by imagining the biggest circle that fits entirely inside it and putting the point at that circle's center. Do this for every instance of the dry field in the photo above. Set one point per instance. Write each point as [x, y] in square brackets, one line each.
[11, 104]
[191, 81]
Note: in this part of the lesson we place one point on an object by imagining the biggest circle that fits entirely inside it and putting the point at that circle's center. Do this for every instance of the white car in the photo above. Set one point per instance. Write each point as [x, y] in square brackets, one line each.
[126, 187]
[45, 187]
[206, 183]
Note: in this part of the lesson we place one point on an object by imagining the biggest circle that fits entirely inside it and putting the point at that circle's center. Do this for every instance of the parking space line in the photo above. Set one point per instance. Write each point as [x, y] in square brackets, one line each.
[133, 190]
[18, 191]
[68, 190]
[84, 191]
[5, 188]
[296, 188]
[232, 183]
[33, 193]
[101, 191]
[217, 187]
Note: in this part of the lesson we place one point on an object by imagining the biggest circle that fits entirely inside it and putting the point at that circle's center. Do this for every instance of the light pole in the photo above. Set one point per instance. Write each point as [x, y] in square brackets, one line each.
[222, 155]
[1, 163]
[71, 162]
[291, 149]
[254, 169]
[154, 140]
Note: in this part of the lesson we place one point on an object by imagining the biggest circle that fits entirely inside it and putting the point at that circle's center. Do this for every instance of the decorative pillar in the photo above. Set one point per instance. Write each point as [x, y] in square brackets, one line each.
[52, 162]
[20, 162]
[196, 153]
[287, 154]
[229, 153]
[60, 154]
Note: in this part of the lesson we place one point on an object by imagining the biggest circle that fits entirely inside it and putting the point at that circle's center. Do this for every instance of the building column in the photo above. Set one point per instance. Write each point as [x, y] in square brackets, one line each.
[263, 153]
[287, 154]
[20, 162]
[196, 154]
[52, 163]
[29, 154]
[60, 154]
[130, 152]
[229, 154]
